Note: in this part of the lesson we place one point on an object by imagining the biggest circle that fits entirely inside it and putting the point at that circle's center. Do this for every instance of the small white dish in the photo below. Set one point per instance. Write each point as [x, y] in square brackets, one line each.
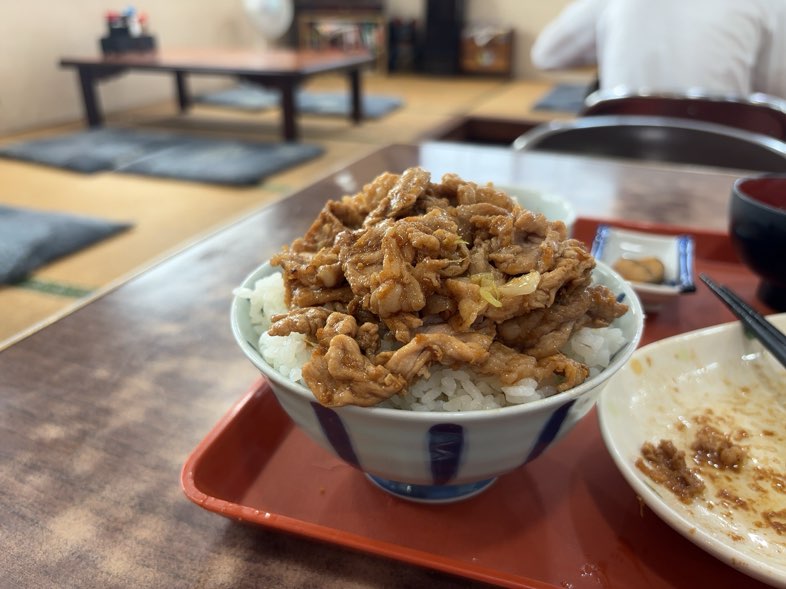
[676, 253]
[553, 207]
[671, 389]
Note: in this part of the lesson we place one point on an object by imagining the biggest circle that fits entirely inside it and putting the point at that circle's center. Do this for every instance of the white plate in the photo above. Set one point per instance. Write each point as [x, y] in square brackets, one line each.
[657, 395]
[674, 251]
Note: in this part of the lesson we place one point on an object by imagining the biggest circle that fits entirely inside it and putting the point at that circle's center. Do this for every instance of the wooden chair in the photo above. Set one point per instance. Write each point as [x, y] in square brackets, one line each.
[662, 139]
[757, 113]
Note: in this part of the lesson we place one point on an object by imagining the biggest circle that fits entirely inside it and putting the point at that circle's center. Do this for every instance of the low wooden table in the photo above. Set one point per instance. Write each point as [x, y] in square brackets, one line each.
[101, 409]
[281, 69]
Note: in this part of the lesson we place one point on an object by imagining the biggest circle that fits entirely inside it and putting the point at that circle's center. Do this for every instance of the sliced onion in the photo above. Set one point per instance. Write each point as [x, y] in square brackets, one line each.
[488, 297]
[482, 279]
[521, 285]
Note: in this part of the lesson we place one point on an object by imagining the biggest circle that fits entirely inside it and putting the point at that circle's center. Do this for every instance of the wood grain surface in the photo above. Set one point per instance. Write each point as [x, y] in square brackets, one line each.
[285, 62]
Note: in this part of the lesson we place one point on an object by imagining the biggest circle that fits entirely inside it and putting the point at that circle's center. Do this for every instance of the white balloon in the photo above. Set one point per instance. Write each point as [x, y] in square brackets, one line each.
[272, 17]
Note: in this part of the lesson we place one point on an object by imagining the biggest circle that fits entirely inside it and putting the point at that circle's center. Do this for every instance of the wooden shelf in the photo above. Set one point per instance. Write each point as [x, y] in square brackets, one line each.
[320, 29]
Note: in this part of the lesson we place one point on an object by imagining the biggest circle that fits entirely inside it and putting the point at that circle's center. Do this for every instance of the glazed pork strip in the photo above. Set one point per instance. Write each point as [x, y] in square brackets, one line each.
[450, 272]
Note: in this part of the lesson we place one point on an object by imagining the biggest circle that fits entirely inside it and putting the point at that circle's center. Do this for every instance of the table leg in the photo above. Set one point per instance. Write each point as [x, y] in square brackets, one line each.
[183, 97]
[288, 111]
[87, 82]
[356, 95]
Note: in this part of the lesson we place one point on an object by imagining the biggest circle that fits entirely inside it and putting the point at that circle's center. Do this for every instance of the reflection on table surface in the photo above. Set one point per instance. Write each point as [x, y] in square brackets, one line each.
[101, 408]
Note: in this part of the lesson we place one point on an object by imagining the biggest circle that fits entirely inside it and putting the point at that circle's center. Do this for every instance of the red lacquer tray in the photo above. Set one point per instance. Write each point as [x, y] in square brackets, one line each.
[568, 519]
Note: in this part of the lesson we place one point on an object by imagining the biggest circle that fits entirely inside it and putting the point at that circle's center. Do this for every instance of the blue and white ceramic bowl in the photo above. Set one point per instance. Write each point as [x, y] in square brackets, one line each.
[440, 456]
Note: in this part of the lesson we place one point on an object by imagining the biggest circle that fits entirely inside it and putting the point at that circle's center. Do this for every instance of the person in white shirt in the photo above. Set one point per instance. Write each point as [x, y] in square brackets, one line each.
[730, 47]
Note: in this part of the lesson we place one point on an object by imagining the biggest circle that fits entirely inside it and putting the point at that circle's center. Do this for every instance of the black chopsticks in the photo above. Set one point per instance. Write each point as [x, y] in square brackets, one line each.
[770, 337]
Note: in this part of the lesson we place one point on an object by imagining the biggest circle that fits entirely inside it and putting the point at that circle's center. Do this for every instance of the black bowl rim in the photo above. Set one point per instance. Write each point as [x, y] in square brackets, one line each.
[738, 192]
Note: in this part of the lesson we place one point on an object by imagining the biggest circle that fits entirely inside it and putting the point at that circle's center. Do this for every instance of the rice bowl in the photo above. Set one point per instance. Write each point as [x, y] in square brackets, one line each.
[437, 456]
[435, 334]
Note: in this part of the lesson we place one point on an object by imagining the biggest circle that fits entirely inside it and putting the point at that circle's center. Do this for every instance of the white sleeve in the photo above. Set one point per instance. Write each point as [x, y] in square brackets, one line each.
[569, 40]
[769, 75]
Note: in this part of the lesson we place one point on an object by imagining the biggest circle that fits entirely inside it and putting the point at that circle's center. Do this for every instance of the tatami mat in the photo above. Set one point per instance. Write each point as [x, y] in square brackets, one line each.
[168, 214]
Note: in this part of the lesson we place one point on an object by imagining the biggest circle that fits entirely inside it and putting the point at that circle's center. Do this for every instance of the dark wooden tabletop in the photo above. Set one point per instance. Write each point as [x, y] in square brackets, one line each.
[101, 408]
[231, 61]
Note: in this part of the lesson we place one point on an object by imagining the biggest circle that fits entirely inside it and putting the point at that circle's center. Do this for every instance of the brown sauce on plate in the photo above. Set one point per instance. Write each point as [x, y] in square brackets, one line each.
[666, 465]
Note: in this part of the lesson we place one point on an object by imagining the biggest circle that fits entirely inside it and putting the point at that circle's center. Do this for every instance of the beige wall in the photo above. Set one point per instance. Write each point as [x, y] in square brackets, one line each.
[34, 34]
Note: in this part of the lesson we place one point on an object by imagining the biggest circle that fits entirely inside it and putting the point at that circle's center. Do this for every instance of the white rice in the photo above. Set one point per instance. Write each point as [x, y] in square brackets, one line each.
[285, 354]
[445, 389]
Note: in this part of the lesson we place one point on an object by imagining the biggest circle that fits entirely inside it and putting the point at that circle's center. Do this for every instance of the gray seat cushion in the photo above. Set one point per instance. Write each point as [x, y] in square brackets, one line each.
[164, 154]
[251, 97]
[29, 239]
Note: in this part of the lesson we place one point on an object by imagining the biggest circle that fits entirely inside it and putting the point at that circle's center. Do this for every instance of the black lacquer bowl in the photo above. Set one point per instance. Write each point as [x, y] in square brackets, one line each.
[757, 225]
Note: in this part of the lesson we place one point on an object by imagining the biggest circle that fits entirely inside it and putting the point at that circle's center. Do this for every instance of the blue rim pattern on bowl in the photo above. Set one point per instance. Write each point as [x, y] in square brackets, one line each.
[431, 493]
[685, 248]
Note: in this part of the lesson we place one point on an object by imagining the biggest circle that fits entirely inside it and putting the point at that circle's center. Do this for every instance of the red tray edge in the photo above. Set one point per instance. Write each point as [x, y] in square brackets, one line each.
[326, 534]
[663, 228]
